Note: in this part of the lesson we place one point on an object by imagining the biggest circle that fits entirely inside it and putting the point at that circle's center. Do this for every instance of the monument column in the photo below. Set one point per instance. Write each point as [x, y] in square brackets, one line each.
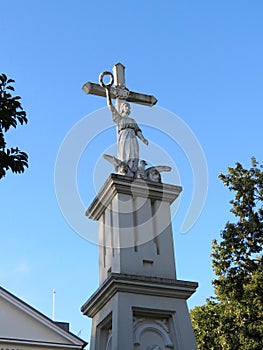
[140, 304]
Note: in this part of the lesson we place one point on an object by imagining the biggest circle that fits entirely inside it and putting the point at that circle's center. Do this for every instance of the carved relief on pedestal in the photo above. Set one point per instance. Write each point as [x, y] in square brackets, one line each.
[151, 334]
[153, 347]
[108, 344]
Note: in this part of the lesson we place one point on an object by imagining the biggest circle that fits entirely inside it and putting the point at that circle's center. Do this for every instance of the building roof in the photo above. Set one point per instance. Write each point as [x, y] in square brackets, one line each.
[21, 324]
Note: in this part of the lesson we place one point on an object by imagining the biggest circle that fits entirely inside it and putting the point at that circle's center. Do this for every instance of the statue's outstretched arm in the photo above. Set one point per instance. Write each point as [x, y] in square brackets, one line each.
[108, 96]
[142, 138]
[114, 112]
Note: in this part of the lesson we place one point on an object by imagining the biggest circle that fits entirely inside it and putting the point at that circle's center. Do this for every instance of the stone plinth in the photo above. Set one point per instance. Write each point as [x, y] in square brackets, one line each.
[135, 231]
[140, 305]
[134, 312]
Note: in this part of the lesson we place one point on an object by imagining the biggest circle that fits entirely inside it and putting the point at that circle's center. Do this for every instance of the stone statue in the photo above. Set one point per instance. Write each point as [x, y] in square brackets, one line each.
[141, 172]
[128, 131]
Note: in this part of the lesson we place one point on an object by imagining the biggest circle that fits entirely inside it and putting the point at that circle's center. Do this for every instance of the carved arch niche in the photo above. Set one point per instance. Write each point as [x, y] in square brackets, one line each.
[152, 333]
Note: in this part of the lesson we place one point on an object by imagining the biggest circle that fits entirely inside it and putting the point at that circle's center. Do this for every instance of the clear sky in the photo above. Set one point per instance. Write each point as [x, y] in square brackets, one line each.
[201, 59]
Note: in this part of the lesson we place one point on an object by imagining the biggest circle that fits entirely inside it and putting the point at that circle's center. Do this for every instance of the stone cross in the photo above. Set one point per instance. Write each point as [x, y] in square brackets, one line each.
[119, 90]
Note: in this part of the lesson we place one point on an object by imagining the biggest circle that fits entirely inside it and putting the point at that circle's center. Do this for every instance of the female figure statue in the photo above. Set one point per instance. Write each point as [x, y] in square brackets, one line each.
[128, 131]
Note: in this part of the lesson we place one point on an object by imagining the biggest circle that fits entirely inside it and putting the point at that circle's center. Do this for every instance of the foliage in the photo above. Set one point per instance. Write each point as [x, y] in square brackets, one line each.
[11, 113]
[238, 264]
[206, 322]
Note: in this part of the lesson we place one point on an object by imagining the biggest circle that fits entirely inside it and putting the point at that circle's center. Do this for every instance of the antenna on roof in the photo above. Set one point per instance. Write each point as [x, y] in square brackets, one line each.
[79, 333]
[53, 303]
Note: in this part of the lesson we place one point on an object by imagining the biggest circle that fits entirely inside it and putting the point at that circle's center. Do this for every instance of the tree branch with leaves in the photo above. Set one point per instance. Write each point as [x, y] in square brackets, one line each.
[11, 114]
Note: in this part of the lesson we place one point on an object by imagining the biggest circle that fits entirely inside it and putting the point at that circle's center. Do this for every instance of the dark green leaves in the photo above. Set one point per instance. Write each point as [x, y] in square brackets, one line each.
[14, 160]
[238, 265]
[11, 114]
[236, 256]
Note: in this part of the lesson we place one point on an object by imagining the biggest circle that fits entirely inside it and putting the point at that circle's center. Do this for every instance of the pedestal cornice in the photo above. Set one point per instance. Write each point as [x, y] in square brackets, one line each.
[116, 184]
[152, 286]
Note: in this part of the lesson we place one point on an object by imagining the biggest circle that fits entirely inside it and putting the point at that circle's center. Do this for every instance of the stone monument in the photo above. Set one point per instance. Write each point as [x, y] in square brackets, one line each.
[140, 304]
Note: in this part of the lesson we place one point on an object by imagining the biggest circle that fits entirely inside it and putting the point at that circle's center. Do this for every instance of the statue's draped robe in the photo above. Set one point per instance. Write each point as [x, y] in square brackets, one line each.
[128, 147]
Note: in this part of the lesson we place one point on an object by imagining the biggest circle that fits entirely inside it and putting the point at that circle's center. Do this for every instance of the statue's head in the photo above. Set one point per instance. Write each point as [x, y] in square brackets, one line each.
[125, 108]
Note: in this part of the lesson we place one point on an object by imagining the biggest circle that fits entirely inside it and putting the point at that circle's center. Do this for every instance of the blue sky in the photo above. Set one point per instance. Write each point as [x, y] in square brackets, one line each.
[201, 59]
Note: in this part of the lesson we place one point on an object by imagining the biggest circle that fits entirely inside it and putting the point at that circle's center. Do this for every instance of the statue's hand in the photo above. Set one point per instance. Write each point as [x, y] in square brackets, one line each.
[146, 142]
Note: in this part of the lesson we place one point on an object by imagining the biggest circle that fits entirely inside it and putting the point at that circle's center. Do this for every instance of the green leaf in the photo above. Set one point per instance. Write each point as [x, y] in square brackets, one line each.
[9, 87]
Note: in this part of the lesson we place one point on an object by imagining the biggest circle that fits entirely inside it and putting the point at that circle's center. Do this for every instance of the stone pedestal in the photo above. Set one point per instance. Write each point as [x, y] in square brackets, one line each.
[140, 305]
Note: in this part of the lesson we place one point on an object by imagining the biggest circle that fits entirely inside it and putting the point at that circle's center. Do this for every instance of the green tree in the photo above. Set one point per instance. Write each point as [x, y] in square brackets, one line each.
[206, 323]
[238, 265]
[11, 113]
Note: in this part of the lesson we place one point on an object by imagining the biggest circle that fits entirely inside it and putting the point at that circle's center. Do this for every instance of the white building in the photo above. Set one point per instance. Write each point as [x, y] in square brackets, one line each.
[24, 328]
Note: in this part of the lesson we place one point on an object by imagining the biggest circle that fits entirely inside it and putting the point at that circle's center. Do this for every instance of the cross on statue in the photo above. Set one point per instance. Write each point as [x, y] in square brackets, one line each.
[127, 129]
[119, 91]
